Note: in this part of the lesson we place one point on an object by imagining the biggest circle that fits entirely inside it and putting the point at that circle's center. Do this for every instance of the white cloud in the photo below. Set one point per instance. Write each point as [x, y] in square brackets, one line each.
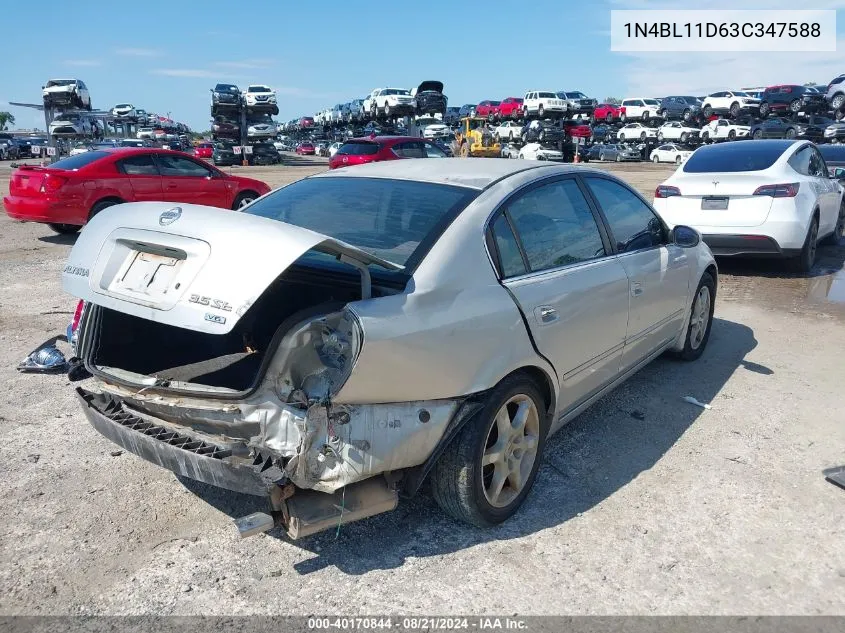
[139, 52]
[184, 72]
[83, 62]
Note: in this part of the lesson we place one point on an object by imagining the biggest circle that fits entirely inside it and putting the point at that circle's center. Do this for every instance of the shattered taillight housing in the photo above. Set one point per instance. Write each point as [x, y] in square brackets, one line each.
[73, 326]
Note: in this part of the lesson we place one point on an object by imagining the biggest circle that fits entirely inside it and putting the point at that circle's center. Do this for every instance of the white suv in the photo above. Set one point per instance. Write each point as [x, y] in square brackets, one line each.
[639, 108]
[542, 103]
[729, 102]
[390, 101]
[259, 95]
[67, 92]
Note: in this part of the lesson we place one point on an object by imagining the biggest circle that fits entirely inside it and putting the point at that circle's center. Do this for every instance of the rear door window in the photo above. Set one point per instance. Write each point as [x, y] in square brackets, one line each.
[511, 263]
[141, 165]
[358, 149]
[411, 149]
[178, 166]
[633, 224]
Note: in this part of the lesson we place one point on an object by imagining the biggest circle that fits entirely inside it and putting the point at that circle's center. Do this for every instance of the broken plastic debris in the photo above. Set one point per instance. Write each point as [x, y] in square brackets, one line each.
[47, 359]
[692, 400]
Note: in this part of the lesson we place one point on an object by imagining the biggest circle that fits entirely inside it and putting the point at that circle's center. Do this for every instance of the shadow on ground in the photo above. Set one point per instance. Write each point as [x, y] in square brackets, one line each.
[59, 238]
[598, 453]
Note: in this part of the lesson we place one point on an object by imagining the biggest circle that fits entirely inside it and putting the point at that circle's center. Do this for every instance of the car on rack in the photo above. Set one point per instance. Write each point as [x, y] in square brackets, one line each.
[510, 150]
[487, 109]
[608, 112]
[261, 129]
[542, 103]
[70, 125]
[269, 388]
[724, 130]
[612, 152]
[359, 151]
[835, 132]
[336, 114]
[639, 109]
[537, 151]
[141, 116]
[223, 154]
[775, 127]
[204, 150]
[353, 111]
[124, 111]
[577, 103]
[685, 108]
[390, 102]
[541, 131]
[677, 131]
[429, 98]
[66, 92]
[577, 129]
[452, 116]
[221, 128]
[264, 153]
[225, 97]
[729, 102]
[835, 93]
[259, 97]
[790, 98]
[636, 131]
[602, 133]
[508, 131]
[669, 153]
[466, 110]
[144, 132]
[71, 191]
[134, 142]
[770, 198]
[431, 127]
[510, 108]
[306, 148]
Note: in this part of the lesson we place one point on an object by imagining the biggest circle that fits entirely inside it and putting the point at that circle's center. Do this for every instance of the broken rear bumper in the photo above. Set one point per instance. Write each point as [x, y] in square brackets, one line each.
[184, 455]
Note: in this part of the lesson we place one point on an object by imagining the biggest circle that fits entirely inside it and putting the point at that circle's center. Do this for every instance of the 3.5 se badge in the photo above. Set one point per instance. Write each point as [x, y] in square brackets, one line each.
[217, 304]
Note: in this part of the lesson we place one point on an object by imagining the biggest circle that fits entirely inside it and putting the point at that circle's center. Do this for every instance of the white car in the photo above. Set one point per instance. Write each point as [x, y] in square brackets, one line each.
[508, 131]
[144, 132]
[535, 151]
[635, 131]
[431, 127]
[542, 103]
[390, 102]
[259, 95]
[669, 153]
[70, 126]
[67, 92]
[729, 102]
[509, 151]
[677, 131]
[123, 111]
[80, 148]
[771, 198]
[336, 114]
[722, 129]
[637, 108]
[261, 130]
[334, 147]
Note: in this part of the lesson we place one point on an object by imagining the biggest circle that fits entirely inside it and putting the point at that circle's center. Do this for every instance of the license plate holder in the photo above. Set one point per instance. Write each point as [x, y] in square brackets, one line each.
[147, 274]
[714, 203]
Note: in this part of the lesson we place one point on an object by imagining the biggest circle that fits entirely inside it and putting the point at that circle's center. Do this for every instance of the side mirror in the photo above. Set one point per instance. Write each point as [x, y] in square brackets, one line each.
[685, 236]
[837, 173]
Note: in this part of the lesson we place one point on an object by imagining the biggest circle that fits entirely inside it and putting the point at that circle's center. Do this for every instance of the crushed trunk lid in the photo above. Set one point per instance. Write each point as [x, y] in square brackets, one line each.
[189, 266]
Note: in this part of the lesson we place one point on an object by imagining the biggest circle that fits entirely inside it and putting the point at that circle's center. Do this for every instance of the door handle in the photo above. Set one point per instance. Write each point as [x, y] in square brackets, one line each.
[636, 289]
[546, 314]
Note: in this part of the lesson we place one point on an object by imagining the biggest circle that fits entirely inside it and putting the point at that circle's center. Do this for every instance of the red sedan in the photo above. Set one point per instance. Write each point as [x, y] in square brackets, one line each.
[510, 108]
[204, 150]
[70, 192]
[489, 109]
[306, 148]
[357, 151]
[608, 112]
[576, 129]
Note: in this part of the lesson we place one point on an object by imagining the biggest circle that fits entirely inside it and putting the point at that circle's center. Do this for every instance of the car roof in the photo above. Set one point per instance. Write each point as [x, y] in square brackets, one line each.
[473, 173]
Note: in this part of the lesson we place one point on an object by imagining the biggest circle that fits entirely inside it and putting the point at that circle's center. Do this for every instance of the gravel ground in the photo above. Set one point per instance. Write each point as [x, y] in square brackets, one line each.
[644, 505]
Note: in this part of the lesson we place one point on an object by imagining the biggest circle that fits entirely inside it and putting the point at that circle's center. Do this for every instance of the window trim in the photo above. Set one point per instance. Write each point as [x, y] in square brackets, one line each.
[503, 209]
[612, 237]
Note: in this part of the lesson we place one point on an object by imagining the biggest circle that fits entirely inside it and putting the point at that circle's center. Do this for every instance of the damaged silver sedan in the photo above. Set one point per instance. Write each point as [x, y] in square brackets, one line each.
[349, 335]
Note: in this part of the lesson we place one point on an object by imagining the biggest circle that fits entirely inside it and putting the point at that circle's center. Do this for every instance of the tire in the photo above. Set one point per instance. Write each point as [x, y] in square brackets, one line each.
[795, 106]
[540, 111]
[758, 134]
[609, 117]
[837, 102]
[623, 117]
[698, 330]
[643, 136]
[463, 486]
[790, 133]
[645, 115]
[386, 110]
[833, 238]
[684, 137]
[686, 115]
[243, 199]
[618, 158]
[655, 159]
[732, 135]
[660, 137]
[804, 262]
[64, 229]
[707, 111]
[677, 160]
[465, 150]
[764, 109]
[103, 204]
[705, 136]
[601, 157]
[621, 137]
[542, 136]
[734, 110]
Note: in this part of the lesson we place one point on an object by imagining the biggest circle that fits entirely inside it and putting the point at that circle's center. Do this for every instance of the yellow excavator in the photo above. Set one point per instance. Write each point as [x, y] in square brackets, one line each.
[475, 138]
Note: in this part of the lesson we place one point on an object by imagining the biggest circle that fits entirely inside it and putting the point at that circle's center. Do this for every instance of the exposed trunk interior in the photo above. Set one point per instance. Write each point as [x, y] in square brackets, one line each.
[232, 360]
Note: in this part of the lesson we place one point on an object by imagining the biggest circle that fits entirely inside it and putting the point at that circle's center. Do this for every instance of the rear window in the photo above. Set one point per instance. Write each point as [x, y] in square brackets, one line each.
[72, 163]
[734, 157]
[358, 149]
[396, 220]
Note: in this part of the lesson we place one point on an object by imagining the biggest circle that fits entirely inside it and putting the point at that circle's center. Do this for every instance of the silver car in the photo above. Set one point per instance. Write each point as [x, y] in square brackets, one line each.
[393, 322]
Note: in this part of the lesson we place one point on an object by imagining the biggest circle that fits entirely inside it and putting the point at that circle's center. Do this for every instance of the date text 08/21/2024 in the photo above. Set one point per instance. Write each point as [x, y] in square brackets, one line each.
[724, 29]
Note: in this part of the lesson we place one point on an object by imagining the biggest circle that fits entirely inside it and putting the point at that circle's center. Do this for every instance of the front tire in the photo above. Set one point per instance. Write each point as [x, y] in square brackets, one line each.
[485, 474]
[655, 159]
[65, 229]
[701, 319]
[708, 111]
[243, 199]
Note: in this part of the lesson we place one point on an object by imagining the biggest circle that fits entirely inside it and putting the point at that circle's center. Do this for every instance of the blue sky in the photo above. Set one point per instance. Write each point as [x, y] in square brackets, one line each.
[167, 59]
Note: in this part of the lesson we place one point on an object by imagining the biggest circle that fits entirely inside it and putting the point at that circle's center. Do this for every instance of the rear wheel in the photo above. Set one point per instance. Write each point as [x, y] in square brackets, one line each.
[790, 133]
[701, 319]
[708, 111]
[764, 109]
[485, 474]
[465, 150]
[103, 204]
[64, 229]
[758, 134]
[540, 111]
[734, 110]
[686, 115]
[609, 117]
[804, 262]
[645, 115]
[655, 159]
[731, 135]
[837, 102]
[677, 160]
[684, 137]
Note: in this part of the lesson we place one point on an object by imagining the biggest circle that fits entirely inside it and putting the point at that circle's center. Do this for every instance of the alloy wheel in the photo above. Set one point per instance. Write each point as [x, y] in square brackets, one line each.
[700, 317]
[510, 450]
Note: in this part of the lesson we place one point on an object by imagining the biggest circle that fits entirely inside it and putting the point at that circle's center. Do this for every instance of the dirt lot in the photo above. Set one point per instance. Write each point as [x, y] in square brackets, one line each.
[645, 504]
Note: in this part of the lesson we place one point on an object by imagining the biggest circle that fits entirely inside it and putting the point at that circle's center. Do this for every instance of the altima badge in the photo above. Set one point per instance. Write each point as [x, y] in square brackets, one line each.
[170, 216]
